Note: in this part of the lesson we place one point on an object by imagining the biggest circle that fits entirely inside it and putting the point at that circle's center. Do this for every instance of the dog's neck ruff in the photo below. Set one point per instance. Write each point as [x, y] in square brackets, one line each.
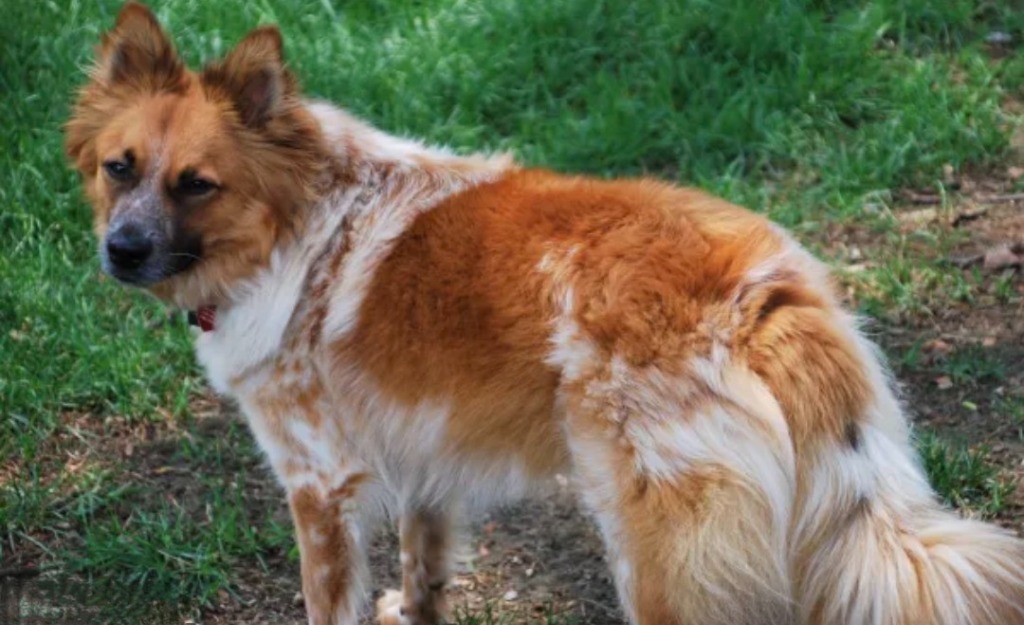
[204, 317]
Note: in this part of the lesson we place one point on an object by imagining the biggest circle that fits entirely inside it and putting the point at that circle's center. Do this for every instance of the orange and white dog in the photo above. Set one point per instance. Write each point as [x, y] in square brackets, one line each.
[417, 333]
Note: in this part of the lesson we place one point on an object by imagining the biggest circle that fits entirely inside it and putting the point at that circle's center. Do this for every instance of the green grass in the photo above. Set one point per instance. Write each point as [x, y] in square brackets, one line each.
[812, 112]
[900, 288]
[973, 364]
[182, 546]
[166, 553]
[963, 477]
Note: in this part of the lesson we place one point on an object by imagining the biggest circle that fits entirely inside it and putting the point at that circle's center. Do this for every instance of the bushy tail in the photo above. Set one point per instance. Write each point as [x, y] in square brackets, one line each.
[870, 544]
[877, 549]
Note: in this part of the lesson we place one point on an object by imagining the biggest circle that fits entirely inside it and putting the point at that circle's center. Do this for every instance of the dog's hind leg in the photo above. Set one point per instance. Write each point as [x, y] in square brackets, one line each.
[425, 537]
[693, 493]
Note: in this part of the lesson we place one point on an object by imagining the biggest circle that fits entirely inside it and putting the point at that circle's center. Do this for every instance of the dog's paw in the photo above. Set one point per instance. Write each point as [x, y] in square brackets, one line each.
[389, 609]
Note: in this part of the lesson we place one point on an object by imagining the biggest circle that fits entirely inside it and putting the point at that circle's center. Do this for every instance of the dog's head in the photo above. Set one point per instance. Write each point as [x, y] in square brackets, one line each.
[193, 176]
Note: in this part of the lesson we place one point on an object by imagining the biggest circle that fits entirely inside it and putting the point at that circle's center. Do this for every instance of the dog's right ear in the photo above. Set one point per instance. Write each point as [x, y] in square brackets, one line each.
[137, 52]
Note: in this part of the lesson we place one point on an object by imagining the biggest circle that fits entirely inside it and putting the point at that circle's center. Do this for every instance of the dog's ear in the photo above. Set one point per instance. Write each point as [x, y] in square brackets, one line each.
[254, 77]
[138, 52]
[134, 56]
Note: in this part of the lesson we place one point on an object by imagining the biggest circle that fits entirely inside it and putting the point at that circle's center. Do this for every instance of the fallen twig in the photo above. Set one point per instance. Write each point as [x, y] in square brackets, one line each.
[929, 199]
[967, 216]
[998, 257]
[999, 198]
[1004, 256]
[922, 198]
[964, 262]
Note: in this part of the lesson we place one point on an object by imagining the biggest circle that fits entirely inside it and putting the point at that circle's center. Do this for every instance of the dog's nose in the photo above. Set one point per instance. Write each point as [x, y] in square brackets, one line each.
[128, 247]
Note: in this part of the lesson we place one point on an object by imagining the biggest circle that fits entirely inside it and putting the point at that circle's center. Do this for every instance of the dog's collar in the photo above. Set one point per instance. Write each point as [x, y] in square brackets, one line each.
[204, 317]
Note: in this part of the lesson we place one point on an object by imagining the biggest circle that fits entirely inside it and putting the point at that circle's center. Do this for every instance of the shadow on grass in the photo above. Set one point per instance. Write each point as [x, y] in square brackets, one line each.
[43, 601]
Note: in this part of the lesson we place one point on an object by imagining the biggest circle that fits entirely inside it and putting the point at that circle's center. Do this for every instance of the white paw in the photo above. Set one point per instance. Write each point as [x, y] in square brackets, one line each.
[389, 609]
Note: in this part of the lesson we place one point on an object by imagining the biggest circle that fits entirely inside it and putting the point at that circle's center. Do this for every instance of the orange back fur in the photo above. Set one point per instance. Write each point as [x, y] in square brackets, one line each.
[459, 309]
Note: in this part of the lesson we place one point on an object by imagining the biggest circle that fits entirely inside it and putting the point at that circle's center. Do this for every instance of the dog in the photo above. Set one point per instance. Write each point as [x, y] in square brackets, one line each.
[417, 334]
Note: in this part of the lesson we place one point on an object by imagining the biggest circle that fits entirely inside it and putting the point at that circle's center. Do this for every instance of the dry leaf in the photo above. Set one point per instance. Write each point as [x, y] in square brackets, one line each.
[967, 215]
[948, 174]
[1004, 256]
[918, 217]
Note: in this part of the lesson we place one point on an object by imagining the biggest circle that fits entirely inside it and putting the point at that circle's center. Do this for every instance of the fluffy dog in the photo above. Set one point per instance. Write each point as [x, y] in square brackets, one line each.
[416, 333]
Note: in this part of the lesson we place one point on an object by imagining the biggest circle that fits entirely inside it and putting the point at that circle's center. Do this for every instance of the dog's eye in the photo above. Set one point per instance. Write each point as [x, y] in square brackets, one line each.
[195, 186]
[118, 170]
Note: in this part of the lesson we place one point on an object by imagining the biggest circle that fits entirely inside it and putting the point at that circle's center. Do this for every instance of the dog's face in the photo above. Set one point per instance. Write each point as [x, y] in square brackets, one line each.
[193, 177]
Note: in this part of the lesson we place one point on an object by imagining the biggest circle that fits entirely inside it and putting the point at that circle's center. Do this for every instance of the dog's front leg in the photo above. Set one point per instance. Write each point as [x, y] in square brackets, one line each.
[334, 570]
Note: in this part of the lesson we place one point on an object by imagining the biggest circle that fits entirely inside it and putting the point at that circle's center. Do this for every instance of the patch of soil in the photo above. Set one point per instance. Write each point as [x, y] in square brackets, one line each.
[540, 557]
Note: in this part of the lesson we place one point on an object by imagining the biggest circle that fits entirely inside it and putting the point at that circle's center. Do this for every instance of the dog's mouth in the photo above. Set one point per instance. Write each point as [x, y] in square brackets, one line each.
[144, 261]
[151, 272]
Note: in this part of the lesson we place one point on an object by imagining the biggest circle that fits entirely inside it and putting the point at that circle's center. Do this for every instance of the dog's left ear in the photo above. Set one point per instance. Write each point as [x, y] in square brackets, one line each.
[253, 75]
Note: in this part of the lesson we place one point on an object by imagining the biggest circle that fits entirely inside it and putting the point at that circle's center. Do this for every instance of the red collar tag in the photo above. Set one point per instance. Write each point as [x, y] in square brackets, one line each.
[204, 317]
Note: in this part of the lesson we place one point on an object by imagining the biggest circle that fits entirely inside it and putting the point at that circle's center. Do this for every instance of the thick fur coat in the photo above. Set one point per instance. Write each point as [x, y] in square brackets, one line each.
[418, 334]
